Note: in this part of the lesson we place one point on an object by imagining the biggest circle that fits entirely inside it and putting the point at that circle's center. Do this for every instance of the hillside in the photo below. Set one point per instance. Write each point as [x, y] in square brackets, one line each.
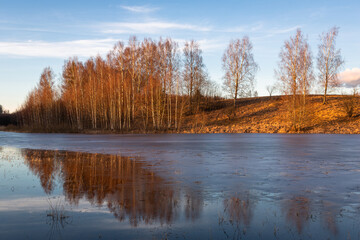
[270, 115]
[252, 115]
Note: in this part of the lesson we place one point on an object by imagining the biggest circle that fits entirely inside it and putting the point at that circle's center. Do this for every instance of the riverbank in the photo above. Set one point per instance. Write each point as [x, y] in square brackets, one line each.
[254, 115]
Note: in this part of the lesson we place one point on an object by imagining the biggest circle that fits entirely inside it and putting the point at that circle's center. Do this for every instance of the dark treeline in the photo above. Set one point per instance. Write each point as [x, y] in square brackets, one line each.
[146, 85]
[8, 119]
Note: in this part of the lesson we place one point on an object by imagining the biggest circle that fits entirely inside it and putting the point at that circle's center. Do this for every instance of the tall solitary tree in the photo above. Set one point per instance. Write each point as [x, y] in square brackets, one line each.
[296, 75]
[329, 60]
[1, 109]
[240, 67]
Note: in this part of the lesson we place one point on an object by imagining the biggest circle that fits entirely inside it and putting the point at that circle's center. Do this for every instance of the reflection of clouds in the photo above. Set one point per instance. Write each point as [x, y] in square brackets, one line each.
[41, 204]
[24, 204]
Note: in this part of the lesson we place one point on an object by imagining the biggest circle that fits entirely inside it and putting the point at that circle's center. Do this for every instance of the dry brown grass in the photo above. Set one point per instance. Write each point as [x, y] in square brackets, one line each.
[257, 115]
[265, 115]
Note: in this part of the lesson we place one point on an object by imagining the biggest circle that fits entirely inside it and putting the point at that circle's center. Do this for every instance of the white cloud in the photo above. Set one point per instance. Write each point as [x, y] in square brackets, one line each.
[285, 30]
[148, 27]
[139, 9]
[242, 29]
[80, 48]
[212, 45]
[350, 77]
[206, 45]
[30, 29]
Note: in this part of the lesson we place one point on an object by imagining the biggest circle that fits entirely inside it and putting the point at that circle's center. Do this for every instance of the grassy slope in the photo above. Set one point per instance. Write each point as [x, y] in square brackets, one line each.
[265, 115]
[256, 115]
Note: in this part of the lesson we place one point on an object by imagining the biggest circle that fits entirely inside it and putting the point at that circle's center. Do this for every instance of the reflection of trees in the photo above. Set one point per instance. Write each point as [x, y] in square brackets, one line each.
[239, 210]
[43, 165]
[127, 187]
[298, 211]
[329, 216]
[193, 204]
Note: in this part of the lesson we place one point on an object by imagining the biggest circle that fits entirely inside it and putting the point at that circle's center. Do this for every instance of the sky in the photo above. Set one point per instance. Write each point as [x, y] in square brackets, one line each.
[36, 34]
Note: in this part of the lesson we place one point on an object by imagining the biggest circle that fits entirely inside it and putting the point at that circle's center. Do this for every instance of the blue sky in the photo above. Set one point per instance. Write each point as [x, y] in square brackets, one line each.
[36, 34]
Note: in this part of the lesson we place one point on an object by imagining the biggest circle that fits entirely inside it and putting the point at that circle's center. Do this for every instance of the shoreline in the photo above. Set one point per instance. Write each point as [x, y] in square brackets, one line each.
[267, 115]
[222, 131]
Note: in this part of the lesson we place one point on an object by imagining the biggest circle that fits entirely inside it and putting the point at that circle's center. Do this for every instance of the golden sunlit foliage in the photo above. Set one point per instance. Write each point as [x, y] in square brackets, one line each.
[153, 85]
[138, 86]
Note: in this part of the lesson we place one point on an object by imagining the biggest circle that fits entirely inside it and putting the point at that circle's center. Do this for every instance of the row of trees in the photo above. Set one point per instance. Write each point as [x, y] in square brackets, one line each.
[150, 84]
[146, 84]
[3, 110]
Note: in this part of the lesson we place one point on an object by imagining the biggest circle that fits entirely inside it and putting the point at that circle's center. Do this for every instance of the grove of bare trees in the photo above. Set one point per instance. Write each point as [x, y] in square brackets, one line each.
[152, 84]
[144, 85]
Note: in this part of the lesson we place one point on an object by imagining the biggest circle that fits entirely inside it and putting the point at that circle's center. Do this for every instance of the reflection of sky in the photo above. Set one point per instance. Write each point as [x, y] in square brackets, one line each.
[286, 178]
[16, 180]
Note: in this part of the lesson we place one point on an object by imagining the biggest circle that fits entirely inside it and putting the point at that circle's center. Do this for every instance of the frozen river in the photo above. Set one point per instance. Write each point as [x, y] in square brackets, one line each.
[179, 186]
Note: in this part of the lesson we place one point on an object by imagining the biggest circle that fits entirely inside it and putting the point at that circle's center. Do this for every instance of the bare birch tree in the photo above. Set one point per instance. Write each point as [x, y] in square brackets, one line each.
[240, 67]
[329, 60]
[270, 89]
[47, 96]
[194, 74]
[296, 75]
[134, 87]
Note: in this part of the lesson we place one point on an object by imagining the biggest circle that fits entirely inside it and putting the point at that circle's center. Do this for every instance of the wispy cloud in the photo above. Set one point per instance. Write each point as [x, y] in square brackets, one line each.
[285, 30]
[140, 9]
[22, 29]
[211, 45]
[207, 45]
[278, 31]
[148, 27]
[242, 29]
[350, 77]
[81, 48]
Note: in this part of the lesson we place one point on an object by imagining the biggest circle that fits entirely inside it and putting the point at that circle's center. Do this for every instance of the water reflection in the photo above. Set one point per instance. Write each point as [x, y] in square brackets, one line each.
[298, 200]
[239, 210]
[125, 185]
[298, 211]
